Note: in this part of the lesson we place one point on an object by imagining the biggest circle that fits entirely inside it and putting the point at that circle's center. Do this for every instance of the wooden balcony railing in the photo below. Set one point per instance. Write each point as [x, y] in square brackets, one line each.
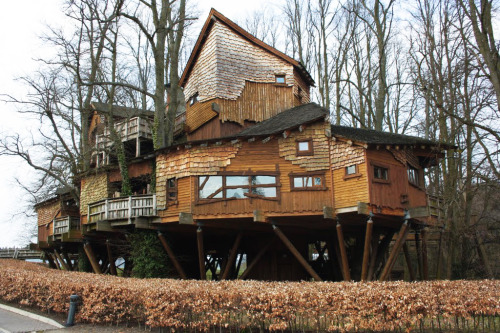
[435, 204]
[132, 128]
[124, 208]
[64, 224]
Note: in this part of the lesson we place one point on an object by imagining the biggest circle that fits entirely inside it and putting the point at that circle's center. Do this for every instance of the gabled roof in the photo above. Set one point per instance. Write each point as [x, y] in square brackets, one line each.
[381, 138]
[216, 16]
[288, 119]
[122, 111]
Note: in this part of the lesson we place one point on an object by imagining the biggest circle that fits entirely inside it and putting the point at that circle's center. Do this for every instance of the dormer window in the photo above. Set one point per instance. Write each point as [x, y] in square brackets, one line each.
[304, 147]
[280, 78]
[193, 99]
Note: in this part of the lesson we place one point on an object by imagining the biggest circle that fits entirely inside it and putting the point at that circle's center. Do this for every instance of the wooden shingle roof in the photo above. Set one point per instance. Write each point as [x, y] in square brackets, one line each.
[288, 119]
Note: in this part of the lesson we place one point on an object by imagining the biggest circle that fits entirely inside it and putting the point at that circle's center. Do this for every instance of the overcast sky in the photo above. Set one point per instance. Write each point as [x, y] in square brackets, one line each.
[22, 22]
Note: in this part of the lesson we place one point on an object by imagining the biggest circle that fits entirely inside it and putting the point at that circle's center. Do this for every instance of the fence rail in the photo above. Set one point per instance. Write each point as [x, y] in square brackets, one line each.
[124, 208]
[22, 254]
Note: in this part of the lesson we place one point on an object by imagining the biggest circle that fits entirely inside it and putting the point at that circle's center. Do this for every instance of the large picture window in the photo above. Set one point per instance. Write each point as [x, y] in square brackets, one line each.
[225, 187]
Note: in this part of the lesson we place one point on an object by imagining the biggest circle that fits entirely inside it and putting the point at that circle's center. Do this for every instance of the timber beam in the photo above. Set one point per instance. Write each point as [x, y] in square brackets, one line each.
[378, 254]
[92, 258]
[49, 259]
[171, 255]
[406, 252]
[61, 260]
[403, 233]
[66, 257]
[296, 253]
[343, 253]
[112, 265]
[366, 251]
[232, 256]
[201, 253]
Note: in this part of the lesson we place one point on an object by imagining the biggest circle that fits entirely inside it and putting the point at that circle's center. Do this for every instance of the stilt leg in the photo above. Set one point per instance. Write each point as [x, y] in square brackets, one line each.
[92, 258]
[343, 253]
[232, 256]
[201, 253]
[408, 262]
[366, 252]
[112, 265]
[172, 256]
[256, 260]
[403, 233]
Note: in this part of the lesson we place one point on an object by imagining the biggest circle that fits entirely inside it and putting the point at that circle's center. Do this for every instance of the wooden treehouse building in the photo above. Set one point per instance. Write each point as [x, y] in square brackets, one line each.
[258, 173]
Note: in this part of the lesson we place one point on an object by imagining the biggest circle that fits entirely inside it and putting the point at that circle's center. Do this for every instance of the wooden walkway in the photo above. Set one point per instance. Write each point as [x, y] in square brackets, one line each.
[21, 254]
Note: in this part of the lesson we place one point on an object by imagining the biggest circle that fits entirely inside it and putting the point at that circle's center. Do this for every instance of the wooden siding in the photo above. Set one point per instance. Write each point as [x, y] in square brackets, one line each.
[198, 114]
[93, 188]
[398, 193]
[350, 190]
[305, 95]
[194, 161]
[344, 154]
[47, 212]
[226, 61]
[320, 159]
[216, 129]
[134, 170]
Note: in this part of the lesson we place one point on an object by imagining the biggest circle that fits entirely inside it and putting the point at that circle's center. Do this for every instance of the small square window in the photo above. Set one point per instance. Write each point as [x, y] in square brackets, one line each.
[280, 79]
[305, 147]
[350, 170]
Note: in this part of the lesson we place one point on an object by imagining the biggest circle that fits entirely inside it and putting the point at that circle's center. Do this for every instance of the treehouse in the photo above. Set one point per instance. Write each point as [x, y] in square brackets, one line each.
[58, 227]
[262, 178]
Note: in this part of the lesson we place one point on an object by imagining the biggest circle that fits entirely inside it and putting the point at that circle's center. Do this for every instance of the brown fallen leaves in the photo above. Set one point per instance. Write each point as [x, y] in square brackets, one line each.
[201, 305]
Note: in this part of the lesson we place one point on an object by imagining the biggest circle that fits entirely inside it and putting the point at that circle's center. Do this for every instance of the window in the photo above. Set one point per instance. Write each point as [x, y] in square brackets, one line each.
[280, 78]
[380, 173]
[307, 181]
[193, 99]
[226, 187]
[171, 191]
[413, 176]
[305, 147]
[350, 170]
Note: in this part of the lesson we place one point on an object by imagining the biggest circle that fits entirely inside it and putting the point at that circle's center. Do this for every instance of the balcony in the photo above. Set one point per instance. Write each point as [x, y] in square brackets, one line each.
[130, 129]
[125, 209]
[66, 228]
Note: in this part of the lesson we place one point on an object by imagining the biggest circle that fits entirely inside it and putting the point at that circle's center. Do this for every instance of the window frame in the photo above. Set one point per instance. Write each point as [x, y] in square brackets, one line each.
[248, 195]
[312, 175]
[279, 77]
[381, 180]
[356, 173]
[169, 189]
[308, 152]
[417, 174]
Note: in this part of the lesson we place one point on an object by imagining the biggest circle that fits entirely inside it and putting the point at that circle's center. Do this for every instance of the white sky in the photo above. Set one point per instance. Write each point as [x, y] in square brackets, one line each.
[21, 24]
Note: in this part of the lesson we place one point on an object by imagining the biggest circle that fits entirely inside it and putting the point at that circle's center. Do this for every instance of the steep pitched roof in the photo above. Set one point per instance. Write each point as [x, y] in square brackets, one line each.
[216, 16]
[287, 119]
[122, 111]
[381, 138]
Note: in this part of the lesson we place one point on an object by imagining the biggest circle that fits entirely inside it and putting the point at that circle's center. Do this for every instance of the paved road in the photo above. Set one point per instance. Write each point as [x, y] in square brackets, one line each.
[13, 322]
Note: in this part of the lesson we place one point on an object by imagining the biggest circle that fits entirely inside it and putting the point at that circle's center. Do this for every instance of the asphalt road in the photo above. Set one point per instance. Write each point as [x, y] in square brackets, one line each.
[13, 322]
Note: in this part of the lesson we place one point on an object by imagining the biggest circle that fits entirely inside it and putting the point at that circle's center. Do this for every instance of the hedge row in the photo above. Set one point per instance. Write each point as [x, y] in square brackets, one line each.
[203, 305]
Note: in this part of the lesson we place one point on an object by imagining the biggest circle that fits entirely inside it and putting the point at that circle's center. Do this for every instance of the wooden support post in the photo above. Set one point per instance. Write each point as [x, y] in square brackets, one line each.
[66, 257]
[343, 253]
[378, 255]
[408, 262]
[420, 261]
[366, 252]
[92, 258]
[403, 233]
[60, 259]
[425, 263]
[172, 256]
[296, 253]
[256, 260]
[50, 260]
[112, 264]
[232, 256]
[238, 266]
[201, 253]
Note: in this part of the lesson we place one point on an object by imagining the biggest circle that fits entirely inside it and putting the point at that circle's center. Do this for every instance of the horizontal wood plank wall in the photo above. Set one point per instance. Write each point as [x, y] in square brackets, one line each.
[257, 156]
[350, 191]
[93, 188]
[215, 129]
[198, 114]
[183, 204]
[134, 170]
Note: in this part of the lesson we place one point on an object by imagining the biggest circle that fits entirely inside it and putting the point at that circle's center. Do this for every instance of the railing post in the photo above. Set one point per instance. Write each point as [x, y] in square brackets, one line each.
[88, 213]
[129, 208]
[106, 209]
[154, 205]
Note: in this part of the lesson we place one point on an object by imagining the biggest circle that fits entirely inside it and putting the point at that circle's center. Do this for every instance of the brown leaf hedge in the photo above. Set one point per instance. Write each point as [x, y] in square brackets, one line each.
[294, 306]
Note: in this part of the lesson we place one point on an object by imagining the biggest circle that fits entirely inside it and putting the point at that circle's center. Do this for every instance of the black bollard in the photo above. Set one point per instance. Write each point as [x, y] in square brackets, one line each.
[73, 303]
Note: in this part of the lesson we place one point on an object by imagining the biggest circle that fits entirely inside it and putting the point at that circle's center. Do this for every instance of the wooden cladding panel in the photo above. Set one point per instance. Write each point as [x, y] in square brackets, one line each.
[390, 194]
[134, 170]
[45, 231]
[319, 160]
[187, 162]
[93, 188]
[302, 94]
[185, 191]
[350, 191]
[198, 114]
[215, 129]
[47, 212]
